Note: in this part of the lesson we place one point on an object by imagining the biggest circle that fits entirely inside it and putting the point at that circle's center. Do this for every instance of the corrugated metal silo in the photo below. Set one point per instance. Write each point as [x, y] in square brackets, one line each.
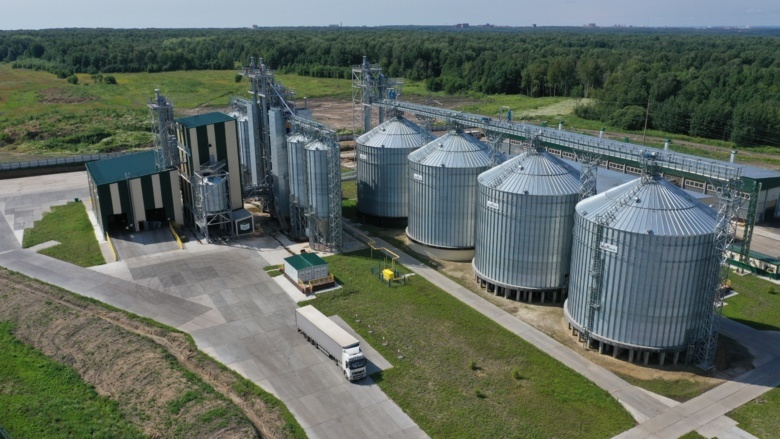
[443, 194]
[383, 168]
[656, 247]
[525, 215]
[317, 171]
[296, 161]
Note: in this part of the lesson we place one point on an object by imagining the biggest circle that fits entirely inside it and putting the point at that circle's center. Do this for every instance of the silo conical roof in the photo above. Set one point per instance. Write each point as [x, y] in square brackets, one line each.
[533, 173]
[456, 150]
[317, 145]
[656, 207]
[397, 132]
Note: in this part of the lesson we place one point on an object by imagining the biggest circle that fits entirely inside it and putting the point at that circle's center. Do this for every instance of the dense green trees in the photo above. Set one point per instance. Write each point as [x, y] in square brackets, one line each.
[709, 83]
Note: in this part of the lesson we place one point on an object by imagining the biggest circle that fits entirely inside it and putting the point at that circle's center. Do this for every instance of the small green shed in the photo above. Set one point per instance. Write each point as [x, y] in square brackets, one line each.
[305, 267]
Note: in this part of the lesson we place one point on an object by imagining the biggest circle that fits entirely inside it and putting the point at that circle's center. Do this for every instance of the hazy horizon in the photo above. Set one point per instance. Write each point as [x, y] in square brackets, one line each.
[45, 14]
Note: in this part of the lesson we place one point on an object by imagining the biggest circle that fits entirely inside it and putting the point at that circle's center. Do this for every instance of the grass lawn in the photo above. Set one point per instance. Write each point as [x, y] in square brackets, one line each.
[42, 398]
[757, 304]
[680, 390]
[70, 226]
[760, 416]
[692, 435]
[462, 375]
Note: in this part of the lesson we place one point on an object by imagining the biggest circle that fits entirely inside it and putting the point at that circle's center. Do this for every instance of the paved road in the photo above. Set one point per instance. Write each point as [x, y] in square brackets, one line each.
[223, 298]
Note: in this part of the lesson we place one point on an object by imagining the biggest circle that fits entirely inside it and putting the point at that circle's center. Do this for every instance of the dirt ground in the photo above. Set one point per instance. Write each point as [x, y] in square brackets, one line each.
[733, 359]
[137, 364]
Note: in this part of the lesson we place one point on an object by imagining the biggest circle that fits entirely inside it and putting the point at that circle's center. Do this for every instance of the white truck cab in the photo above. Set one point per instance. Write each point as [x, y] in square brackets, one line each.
[334, 341]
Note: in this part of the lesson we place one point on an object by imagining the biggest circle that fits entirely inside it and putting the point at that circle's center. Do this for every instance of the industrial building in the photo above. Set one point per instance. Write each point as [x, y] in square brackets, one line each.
[525, 214]
[210, 172]
[130, 193]
[443, 194]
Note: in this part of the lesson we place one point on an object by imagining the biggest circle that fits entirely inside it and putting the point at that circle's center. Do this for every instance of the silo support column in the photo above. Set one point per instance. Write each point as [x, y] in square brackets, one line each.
[676, 357]
[647, 358]
[662, 358]
[630, 355]
[601, 348]
[615, 351]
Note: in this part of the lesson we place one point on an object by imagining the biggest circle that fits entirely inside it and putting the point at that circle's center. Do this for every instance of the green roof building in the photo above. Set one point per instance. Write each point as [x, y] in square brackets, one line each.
[305, 267]
[129, 191]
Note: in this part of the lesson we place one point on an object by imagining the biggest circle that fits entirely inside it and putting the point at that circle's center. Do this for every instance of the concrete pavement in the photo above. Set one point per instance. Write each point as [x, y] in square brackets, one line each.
[222, 297]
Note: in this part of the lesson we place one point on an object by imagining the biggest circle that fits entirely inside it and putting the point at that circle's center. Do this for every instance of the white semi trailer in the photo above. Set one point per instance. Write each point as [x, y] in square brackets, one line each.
[330, 338]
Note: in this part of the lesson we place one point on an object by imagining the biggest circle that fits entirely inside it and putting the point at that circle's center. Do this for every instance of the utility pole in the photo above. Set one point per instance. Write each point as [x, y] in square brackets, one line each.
[647, 116]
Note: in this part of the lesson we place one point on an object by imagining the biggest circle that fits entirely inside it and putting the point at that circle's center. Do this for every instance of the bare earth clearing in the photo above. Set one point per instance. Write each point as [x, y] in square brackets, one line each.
[147, 370]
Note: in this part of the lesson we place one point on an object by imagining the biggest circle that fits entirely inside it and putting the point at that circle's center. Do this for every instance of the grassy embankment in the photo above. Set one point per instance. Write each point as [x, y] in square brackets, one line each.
[154, 374]
[459, 374]
[70, 226]
[40, 114]
[42, 398]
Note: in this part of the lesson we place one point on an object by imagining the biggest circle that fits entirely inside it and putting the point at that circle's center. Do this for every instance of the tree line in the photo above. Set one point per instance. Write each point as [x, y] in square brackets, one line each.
[709, 83]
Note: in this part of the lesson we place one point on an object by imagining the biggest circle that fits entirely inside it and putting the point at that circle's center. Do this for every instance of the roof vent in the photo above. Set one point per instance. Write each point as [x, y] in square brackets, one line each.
[637, 200]
[441, 145]
[650, 232]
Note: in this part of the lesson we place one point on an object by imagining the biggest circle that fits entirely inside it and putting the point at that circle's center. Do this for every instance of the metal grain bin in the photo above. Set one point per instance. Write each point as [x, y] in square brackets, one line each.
[657, 247]
[525, 216]
[383, 168]
[443, 191]
[317, 172]
[296, 160]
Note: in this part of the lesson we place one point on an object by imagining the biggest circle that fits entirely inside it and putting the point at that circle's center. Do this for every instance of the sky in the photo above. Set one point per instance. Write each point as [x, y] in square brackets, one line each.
[41, 14]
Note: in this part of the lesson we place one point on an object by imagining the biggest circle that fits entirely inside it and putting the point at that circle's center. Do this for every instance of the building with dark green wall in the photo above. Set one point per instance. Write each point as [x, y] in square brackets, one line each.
[128, 192]
[208, 142]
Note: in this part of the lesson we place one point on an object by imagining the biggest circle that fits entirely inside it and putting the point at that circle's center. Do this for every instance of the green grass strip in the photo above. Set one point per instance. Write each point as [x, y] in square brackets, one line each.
[458, 373]
[42, 398]
[757, 304]
[760, 416]
[69, 225]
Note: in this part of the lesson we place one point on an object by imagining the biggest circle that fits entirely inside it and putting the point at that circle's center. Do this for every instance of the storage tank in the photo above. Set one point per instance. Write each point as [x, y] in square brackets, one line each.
[214, 192]
[317, 172]
[525, 215]
[657, 248]
[383, 168]
[296, 160]
[443, 195]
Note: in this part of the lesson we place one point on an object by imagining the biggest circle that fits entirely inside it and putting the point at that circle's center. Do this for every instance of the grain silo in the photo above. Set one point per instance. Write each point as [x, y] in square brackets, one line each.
[296, 160]
[318, 205]
[443, 195]
[641, 258]
[383, 168]
[525, 215]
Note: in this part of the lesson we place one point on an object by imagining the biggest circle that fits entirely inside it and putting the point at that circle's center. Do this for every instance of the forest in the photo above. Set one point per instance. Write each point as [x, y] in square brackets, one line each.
[718, 84]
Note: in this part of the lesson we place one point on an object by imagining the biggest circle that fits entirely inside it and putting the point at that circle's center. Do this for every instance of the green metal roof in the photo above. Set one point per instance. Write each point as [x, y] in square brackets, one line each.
[122, 168]
[204, 119]
[305, 260]
[736, 248]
